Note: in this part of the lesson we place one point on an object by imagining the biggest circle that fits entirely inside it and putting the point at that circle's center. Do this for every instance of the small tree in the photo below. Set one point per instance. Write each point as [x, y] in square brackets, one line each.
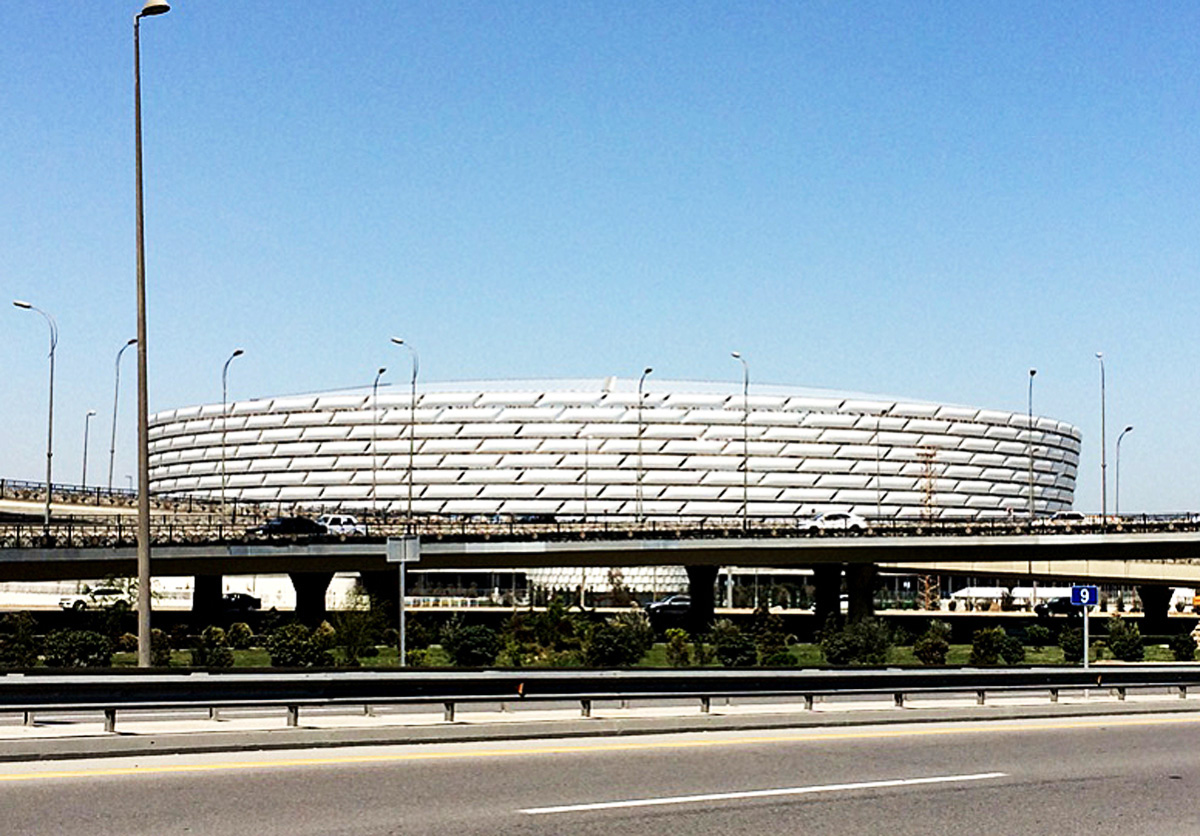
[239, 635]
[931, 648]
[679, 655]
[213, 650]
[1125, 640]
[1071, 642]
[1037, 636]
[471, 646]
[770, 640]
[18, 646]
[992, 645]
[1183, 647]
[865, 642]
[292, 646]
[733, 648]
[621, 641]
[160, 649]
[78, 649]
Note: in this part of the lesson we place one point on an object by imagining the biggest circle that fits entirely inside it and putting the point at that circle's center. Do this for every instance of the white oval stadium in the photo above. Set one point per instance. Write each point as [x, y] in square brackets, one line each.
[589, 448]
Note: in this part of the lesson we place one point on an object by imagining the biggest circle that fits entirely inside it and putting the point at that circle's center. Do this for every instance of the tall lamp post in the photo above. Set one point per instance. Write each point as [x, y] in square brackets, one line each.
[150, 9]
[412, 425]
[237, 352]
[1118, 491]
[374, 427]
[50, 411]
[641, 431]
[112, 447]
[1029, 451]
[745, 438]
[87, 425]
[1103, 451]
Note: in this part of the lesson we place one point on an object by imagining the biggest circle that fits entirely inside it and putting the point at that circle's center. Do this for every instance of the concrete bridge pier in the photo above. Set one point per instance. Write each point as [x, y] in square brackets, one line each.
[860, 589]
[702, 582]
[1156, 601]
[310, 595]
[827, 579]
[206, 598]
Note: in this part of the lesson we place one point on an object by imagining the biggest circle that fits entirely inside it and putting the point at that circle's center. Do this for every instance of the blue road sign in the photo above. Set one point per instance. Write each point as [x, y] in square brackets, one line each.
[1085, 596]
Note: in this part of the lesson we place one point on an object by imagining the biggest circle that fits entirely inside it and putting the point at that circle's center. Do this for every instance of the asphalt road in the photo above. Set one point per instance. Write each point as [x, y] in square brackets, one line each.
[1112, 775]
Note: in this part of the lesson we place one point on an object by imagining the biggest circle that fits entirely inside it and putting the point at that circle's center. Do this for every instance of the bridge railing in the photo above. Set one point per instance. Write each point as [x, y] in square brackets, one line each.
[207, 526]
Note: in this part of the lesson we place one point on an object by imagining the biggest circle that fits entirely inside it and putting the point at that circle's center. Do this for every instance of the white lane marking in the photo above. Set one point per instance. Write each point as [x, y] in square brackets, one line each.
[734, 796]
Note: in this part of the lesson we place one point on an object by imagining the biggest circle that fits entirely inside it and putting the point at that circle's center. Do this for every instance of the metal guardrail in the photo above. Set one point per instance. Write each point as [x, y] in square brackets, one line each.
[109, 692]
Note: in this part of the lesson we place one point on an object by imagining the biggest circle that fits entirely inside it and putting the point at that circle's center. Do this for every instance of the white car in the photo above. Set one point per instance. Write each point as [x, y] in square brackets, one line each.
[99, 598]
[835, 521]
[342, 524]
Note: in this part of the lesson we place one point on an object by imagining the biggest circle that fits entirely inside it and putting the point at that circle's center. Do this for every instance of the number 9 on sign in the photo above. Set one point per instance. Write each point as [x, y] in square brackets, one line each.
[1084, 596]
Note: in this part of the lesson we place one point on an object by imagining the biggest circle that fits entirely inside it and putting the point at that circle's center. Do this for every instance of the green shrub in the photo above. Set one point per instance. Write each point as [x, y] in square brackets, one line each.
[863, 642]
[931, 648]
[1125, 640]
[1183, 647]
[1037, 636]
[18, 645]
[160, 649]
[213, 650]
[472, 646]
[621, 641]
[78, 649]
[292, 646]
[992, 645]
[1071, 642]
[770, 640]
[240, 636]
[127, 643]
[679, 655]
[733, 648]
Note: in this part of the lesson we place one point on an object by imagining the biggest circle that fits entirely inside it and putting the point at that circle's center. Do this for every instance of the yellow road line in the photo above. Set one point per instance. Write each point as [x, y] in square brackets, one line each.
[863, 733]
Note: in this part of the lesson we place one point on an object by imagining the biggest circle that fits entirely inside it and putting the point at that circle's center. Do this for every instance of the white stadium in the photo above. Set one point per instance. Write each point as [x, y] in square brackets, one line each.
[594, 449]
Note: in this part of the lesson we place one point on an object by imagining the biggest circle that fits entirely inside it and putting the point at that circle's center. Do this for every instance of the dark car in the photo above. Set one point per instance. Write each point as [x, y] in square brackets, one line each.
[671, 605]
[240, 602]
[289, 527]
[1057, 606]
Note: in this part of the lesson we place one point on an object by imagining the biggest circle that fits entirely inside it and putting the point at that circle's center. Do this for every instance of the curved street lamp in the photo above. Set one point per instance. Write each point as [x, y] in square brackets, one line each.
[412, 418]
[1118, 491]
[641, 431]
[1029, 452]
[1103, 451]
[50, 411]
[745, 438]
[374, 427]
[87, 422]
[112, 448]
[150, 9]
[237, 352]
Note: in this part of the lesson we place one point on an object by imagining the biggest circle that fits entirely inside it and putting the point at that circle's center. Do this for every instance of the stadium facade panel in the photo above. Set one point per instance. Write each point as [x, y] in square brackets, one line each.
[590, 448]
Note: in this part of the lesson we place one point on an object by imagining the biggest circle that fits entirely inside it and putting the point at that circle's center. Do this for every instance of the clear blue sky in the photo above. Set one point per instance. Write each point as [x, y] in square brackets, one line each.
[913, 199]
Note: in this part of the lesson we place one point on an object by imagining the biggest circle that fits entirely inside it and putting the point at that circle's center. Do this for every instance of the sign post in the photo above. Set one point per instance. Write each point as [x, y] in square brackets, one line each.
[1085, 596]
[403, 550]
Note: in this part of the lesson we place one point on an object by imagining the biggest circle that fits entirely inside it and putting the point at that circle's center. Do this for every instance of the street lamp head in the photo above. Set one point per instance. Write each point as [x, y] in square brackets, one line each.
[21, 304]
[1099, 355]
[153, 8]
[237, 352]
[1032, 372]
[737, 355]
[132, 341]
[1127, 429]
[398, 341]
[90, 413]
[648, 370]
[381, 371]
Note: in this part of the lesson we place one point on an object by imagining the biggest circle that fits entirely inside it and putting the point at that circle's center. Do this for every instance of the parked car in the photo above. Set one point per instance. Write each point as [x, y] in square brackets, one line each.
[288, 527]
[342, 524]
[835, 521]
[99, 598]
[671, 605]
[235, 602]
[1057, 606]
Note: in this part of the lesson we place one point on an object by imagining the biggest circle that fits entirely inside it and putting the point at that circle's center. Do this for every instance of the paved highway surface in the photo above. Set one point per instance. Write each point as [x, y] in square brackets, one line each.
[1113, 775]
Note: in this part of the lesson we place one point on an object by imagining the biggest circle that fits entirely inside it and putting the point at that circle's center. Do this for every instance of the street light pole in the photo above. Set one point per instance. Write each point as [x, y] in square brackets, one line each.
[1029, 451]
[87, 421]
[641, 431]
[1118, 491]
[745, 439]
[50, 411]
[412, 425]
[374, 427]
[112, 448]
[151, 9]
[237, 352]
[1103, 451]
